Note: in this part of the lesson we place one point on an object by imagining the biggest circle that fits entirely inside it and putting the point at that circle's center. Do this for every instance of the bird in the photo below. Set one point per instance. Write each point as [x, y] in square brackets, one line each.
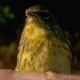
[43, 45]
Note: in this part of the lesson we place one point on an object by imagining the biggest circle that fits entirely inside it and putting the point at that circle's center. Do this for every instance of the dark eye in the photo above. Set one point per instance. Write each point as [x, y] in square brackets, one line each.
[44, 15]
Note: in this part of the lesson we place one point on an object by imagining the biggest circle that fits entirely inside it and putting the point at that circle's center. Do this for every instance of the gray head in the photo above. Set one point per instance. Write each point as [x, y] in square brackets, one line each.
[43, 13]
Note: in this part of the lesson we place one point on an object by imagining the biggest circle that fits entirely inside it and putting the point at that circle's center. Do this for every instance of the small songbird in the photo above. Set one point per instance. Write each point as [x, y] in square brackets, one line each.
[43, 45]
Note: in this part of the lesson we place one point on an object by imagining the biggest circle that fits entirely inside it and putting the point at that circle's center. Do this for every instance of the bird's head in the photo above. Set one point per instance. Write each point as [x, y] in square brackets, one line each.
[38, 11]
[40, 15]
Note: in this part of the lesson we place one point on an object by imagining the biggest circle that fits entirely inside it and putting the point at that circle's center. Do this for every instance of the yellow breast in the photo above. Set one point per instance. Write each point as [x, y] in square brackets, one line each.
[41, 51]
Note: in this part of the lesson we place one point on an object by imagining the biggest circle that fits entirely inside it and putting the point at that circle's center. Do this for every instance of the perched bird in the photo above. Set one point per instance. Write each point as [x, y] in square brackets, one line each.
[43, 45]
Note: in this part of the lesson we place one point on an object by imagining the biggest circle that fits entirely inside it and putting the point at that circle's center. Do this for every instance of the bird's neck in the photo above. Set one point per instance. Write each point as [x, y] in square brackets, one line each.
[33, 30]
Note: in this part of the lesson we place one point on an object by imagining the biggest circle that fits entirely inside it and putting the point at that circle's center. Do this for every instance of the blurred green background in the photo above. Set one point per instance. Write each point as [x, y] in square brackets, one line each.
[12, 20]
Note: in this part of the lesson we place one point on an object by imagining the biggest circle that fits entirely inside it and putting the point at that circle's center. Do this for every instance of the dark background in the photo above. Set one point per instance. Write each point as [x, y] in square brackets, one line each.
[66, 12]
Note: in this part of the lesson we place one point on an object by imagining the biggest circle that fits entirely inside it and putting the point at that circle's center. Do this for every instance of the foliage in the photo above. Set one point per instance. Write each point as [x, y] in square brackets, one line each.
[5, 14]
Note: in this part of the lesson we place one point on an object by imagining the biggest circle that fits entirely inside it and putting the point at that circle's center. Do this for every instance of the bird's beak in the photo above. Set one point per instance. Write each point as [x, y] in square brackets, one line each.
[32, 13]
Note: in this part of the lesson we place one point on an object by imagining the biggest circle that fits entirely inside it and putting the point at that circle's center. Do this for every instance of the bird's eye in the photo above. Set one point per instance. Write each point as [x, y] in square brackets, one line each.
[44, 15]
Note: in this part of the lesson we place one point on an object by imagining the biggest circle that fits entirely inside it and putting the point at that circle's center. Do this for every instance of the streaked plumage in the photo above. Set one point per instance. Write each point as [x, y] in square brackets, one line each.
[43, 45]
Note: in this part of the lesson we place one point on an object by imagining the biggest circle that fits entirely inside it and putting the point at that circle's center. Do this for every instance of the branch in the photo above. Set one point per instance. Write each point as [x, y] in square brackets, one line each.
[13, 75]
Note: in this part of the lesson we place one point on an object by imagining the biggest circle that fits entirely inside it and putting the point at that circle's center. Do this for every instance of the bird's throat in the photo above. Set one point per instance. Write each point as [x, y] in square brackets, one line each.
[35, 30]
